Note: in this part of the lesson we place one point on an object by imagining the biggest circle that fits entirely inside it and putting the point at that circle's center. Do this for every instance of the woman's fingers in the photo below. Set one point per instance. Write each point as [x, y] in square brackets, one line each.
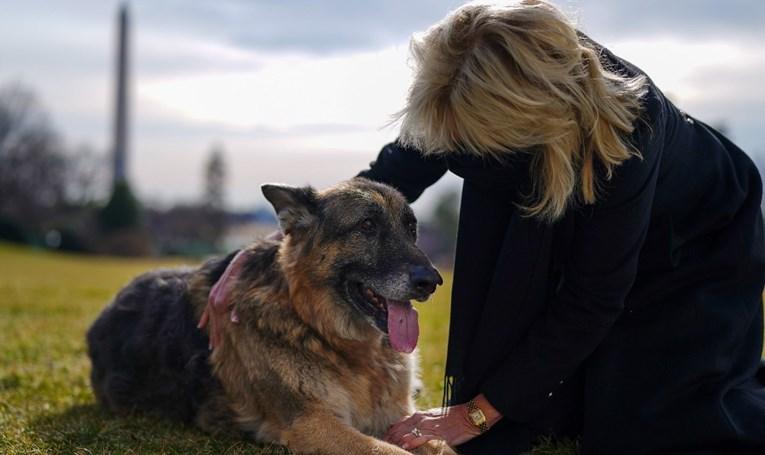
[412, 440]
[427, 429]
[395, 432]
[415, 431]
[407, 421]
[403, 426]
[414, 428]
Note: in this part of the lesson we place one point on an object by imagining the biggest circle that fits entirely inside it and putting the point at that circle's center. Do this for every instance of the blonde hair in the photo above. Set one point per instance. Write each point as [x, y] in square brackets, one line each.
[496, 79]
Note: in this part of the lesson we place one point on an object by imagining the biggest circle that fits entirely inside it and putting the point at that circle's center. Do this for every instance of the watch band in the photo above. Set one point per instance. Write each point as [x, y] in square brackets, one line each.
[472, 406]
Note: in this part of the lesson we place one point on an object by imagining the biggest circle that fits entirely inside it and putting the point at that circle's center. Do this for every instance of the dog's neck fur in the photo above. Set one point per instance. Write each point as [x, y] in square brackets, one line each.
[276, 294]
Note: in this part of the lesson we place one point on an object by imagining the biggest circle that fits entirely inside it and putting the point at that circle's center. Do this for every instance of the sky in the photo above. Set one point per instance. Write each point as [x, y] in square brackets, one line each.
[303, 92]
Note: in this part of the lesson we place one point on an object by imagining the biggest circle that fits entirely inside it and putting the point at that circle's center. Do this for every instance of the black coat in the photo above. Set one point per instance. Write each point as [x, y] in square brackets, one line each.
[635, 322]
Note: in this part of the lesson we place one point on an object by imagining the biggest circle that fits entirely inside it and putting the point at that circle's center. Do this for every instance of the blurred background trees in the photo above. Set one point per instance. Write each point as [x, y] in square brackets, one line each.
[195, 228]
[55, 197]
[32, 170]
[43, 186]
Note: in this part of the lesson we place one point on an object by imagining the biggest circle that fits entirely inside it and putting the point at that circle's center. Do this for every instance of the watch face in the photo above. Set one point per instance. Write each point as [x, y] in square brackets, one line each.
[477, 417]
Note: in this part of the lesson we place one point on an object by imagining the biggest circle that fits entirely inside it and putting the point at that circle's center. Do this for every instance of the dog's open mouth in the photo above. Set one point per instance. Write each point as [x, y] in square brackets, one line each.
[396, 318]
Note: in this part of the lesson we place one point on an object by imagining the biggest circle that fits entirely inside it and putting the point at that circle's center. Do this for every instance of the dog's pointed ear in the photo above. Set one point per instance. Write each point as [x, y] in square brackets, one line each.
[296, 208]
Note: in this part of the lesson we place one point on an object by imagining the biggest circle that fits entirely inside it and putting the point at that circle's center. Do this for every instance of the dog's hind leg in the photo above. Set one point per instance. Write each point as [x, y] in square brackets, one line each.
[216, 417]
[321, 431]
[146, 352]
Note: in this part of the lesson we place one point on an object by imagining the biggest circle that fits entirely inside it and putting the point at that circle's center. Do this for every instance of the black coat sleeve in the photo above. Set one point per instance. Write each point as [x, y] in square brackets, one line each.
[598, 273]
[406, 169]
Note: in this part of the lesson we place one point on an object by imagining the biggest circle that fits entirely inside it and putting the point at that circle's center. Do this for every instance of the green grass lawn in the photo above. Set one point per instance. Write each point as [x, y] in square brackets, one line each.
[47, 302]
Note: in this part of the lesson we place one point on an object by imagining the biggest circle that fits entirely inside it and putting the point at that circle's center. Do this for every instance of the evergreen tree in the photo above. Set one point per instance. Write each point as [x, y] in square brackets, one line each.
[213, 201]
[215, 176]
[123, 210]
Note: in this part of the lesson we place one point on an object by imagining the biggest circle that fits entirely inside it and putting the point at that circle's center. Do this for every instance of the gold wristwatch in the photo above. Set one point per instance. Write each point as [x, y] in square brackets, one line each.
[477, 416]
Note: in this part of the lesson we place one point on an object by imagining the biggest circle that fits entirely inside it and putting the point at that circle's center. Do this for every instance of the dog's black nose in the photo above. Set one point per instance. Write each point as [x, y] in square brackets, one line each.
[424, 278]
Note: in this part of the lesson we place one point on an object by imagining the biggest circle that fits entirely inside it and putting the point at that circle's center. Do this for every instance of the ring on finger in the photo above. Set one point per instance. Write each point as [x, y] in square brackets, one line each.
[416, 432]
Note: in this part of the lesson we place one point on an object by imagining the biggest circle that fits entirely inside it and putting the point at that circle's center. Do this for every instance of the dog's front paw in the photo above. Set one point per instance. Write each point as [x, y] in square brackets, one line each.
[383, 448]
[435, 448]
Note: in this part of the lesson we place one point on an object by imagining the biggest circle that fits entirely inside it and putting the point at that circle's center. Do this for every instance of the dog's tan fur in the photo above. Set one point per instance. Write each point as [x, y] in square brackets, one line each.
[299, 369]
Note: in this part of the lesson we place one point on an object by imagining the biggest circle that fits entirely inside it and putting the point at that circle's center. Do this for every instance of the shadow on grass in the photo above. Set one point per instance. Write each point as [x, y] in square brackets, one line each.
[87, 429]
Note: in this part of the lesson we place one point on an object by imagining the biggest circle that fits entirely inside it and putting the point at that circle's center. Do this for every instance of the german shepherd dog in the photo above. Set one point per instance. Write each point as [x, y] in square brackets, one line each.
[319, 359]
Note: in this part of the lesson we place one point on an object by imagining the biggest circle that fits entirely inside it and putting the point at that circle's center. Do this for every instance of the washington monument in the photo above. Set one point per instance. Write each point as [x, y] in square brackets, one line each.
[121, 98]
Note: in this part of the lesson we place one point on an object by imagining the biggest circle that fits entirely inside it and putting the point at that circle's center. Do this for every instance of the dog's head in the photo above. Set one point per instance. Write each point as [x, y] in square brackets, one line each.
[357, 242]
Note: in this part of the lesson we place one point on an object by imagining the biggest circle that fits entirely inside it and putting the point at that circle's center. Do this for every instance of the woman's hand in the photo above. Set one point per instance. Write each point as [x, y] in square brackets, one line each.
[450, 424]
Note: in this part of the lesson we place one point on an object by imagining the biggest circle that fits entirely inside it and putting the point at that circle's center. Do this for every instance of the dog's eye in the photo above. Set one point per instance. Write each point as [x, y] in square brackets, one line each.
[412, 228]
[367, 226]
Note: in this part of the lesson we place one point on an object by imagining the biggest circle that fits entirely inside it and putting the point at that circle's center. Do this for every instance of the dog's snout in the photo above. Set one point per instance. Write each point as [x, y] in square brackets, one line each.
[424, 279]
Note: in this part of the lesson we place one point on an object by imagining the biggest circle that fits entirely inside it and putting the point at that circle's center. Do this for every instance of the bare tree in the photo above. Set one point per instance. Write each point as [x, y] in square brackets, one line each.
[87, 172]
[32, 165]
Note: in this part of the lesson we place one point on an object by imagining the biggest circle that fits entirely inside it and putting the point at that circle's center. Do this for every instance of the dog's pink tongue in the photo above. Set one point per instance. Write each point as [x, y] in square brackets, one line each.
[403, 328]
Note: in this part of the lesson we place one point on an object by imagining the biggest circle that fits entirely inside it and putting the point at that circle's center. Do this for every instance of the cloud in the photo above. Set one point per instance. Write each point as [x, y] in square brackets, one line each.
[298, 90]
[363, 88]
[717, 81]
[691, 19]
[319, 27]
[331, 26]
